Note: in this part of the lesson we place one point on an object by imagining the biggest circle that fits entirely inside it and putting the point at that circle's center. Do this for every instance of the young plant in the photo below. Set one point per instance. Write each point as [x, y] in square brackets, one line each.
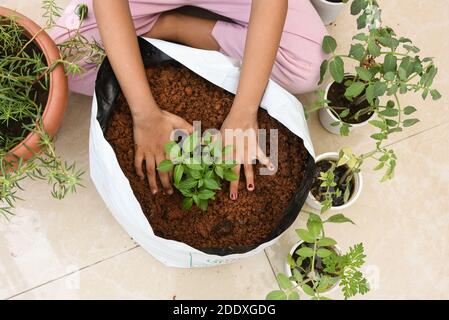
[198, 168]
[317, 266]
[24, 74]
[387, 66]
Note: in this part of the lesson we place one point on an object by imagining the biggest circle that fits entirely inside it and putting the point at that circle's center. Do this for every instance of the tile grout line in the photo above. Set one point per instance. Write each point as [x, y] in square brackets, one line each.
[418, 133]
[73, 272]
[271, 265]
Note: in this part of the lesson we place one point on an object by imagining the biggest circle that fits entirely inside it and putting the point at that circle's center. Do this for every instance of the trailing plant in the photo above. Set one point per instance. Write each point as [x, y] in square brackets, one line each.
[24, 81]
[199, 167]
[317, 266]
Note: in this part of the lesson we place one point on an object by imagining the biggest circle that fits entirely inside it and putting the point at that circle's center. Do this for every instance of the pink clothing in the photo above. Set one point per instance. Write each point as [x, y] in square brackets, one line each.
[298, 59]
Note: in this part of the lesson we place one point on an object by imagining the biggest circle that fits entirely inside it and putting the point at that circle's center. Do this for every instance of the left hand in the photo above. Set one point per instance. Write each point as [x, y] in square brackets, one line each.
[240, 129]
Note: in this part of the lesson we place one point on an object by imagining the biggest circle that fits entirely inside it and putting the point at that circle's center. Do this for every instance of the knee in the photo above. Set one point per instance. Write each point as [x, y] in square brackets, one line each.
[166, 27]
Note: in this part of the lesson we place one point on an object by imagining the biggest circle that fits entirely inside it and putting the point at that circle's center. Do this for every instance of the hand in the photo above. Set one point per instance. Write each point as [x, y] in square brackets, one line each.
[240, 129]
[151, 133]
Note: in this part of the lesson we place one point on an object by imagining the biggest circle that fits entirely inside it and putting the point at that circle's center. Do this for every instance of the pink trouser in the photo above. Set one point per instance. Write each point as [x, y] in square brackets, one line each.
[298, 59]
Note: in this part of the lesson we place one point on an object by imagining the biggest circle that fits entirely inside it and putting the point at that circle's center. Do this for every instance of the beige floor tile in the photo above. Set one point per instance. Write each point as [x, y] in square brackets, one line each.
[48, 238]
[403, 223]
[404, 16]
[136, 275]
[31, 8]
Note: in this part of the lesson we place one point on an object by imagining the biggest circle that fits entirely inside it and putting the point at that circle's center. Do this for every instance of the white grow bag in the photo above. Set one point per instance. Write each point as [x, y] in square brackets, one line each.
[116, 191]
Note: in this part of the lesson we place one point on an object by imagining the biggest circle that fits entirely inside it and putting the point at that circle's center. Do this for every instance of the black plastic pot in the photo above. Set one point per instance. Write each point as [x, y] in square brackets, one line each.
[107, 91]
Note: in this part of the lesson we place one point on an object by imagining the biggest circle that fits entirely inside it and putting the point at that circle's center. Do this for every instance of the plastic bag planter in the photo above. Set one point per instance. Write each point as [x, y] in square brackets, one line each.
[115, 189]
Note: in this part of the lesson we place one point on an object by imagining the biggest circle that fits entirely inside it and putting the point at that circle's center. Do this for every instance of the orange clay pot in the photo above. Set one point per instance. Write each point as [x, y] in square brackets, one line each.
[53, 113]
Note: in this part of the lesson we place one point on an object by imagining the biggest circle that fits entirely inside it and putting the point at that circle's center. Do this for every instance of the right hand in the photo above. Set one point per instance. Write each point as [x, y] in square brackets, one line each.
[151, 132]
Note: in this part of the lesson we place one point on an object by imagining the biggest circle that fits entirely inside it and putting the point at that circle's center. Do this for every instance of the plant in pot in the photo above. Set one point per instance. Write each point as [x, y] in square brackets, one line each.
[387, 66]
[338, 179]
[316, 266]
[32, 102]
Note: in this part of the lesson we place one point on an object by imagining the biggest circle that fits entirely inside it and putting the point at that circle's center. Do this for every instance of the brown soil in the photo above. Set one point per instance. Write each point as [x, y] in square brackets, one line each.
[338, 103]
[324, 166]
[227, 224]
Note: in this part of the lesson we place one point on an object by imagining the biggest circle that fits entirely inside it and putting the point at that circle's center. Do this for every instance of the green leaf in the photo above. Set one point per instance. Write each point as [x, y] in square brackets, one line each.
[187, 203]
[389, 76]
[373, 48]
[305, 235]
[409, 110]
[409, 122]
[203, 204]
[357, 6]
[169, 146]
[379, 89]
[228, 150]
[165, 166]
[211, 184]
[219, 171]
[435, 94]
[284, 281]
[305, 252]
[230, 176]
[378, 136]
[370, 94]
[276, 295]
[390, 63]
[294, 295]
[308, 290]
[337, 69]
[364, 74]
[339, 218]
[206, 194]
[323, 70]
[357, 51]
[326, 242]
[195, 166]
[355, 89]
[378, 124]
[188, 184]
[361, 21]
[329, 44]
[389, 112]
[179, 171]
[191, 142]
[323, 253]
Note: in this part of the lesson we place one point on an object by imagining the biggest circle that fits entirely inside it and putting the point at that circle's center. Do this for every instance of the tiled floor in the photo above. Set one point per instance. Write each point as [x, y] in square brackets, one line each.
[75, 249]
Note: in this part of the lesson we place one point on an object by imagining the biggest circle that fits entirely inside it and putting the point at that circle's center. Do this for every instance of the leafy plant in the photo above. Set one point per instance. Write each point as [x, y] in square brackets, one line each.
[198, 168]
[388, 66]
[317, 266]
[24, 77]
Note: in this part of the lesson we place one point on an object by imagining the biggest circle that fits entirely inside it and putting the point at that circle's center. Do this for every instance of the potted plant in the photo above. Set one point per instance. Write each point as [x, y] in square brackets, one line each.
[329, 10]
[316, 266]
[387, 66]
[33, 102]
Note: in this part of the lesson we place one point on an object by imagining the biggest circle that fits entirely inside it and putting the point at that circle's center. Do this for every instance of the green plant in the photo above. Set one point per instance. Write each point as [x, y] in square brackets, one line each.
[387, 66]
[317, 266]
[198, 168]
[24, 83]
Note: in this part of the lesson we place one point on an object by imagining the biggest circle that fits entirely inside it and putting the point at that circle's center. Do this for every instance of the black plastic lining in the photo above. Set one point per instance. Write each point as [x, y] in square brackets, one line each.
[107, 91]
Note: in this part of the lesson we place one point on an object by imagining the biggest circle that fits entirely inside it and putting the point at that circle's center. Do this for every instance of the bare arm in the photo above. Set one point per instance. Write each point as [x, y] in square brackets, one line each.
[152, 127]
[264, 34]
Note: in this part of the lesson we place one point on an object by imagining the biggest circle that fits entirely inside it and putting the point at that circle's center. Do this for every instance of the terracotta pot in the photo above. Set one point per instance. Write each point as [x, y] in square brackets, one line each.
[53, 113]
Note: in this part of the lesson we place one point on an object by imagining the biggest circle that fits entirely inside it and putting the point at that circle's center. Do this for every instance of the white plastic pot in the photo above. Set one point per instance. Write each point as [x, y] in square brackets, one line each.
[327, 118]
[328, 11]
[288, 270]
[358, 184]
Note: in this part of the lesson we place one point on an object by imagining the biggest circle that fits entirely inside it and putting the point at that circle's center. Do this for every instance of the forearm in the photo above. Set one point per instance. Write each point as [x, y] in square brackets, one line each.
[262, 42]
[120, 42]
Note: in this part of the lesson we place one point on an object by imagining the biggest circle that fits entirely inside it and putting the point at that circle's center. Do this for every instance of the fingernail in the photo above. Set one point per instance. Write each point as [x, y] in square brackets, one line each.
[250, 187]
[233, 196]
[271, 167]
[170, 192]
[154, 191]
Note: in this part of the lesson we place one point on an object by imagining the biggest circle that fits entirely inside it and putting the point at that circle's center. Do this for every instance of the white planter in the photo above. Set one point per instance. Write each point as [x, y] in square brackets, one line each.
[288, 271]
[358, 184]
[328, 11]
[327, 118]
